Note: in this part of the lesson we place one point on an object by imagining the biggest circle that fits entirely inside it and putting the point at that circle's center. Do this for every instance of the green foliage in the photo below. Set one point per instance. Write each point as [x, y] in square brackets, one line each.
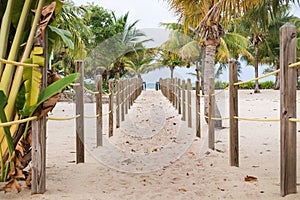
[262, 85]
[220, 85]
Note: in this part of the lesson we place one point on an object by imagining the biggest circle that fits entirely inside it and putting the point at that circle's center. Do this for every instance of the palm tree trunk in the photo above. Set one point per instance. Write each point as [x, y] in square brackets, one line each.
[256, 89]
[203, 66]
[209, 72]
[172, 72]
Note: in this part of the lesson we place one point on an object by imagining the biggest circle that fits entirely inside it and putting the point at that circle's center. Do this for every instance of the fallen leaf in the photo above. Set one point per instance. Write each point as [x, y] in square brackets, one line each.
[191, 153]
[250, 179]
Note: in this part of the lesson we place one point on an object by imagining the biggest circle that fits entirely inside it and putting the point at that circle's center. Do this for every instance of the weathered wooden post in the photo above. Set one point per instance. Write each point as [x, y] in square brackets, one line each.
[189, 104]
[123, 100]
[80, 111]
[179, 96]
[38, 153]
[198, 122]
[126, 92]
[211, 106]
[288, 138]
[111, 108]
[99, 125]
[233, 111]
[118, 88]
[183, 101]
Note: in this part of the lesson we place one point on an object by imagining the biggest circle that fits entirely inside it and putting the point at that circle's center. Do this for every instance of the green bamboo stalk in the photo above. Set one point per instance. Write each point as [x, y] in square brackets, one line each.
[4, 32]
[8, 72]
[9, 108]
[17, 81]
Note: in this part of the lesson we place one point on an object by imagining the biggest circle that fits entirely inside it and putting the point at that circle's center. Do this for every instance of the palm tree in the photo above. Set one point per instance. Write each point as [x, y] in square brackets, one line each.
[205, 17]
[139, 63]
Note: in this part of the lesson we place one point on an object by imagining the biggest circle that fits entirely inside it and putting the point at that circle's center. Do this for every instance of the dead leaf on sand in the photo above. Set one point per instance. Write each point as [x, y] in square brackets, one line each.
[250, 179]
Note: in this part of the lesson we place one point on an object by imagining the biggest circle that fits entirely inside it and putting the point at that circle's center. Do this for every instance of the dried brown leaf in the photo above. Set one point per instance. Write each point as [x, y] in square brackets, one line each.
[250, 179]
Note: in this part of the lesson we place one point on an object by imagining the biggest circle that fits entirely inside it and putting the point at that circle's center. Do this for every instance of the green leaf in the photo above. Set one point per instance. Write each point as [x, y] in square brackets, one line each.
[64, 35]
[32, 77]
[10, 143]
[56, 87]
[20, 101]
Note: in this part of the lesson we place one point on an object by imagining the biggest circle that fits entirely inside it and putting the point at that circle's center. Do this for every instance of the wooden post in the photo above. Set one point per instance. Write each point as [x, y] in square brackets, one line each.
[179, 97]
[99, 124]
[111, 108]
[176, 93]
[288, 82]
[211, 106]
[38, 153]
[183, 101]
[233, 111]
[123, 100]
[189, 103]
[126, 89]
[198, 122]
[118, 87]
[80, 111]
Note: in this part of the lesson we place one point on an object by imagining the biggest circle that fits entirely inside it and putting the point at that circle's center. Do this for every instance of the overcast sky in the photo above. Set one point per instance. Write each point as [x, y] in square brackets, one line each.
[149, 12]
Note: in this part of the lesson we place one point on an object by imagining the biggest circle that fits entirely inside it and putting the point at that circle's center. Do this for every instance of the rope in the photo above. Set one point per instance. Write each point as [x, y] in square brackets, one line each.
[17, 63]
[294, 120]
[295, 65]
[215, 118]
[254, 79]
[106, 114]
[256, 119]
[62, 118]
[75, 84]
[18, 121]
[91, 117]
[90, 91]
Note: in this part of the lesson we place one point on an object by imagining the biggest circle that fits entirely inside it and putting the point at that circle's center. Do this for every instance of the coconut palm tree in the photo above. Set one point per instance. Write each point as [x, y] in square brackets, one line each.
[206, 16]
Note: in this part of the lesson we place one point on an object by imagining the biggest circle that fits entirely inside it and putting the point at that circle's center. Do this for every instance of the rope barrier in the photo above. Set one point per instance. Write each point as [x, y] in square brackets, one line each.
[216, 118]
[106, 114]
[254, 79]
[75, 84]
[18, 121]
[17, 63]
[91, 117]
[295, 65]
[62, 118]
[90, 91]
[294, 120]
[256, 119]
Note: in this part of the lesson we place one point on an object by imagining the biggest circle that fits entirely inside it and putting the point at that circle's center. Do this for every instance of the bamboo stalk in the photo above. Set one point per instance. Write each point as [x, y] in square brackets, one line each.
[5, 27]
[8, 72]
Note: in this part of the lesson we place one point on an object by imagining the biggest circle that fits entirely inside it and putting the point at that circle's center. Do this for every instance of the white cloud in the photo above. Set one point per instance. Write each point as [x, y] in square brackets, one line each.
[149, 12]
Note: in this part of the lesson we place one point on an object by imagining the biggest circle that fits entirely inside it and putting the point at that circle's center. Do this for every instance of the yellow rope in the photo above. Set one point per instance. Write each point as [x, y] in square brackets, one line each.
[105, 95]
[90, 117]
[106, 114]
[62, 118]
[294, 120]
[254, 79]
[90, 91]
[221, 91]
[17, 63]
[256, 119]
[215, 118]
[75, 84]
[295, 64]
[18, 121]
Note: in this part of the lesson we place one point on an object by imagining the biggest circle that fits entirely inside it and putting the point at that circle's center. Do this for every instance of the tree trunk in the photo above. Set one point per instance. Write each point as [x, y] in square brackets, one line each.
[172, 72]
[203, 66]
[209, 72]
[256, 89]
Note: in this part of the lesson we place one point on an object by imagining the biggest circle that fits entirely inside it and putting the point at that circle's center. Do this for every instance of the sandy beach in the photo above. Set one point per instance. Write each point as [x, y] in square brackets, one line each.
[154, 155]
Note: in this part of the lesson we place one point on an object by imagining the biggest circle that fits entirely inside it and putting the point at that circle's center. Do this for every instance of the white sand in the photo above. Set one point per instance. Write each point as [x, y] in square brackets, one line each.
[155, 156]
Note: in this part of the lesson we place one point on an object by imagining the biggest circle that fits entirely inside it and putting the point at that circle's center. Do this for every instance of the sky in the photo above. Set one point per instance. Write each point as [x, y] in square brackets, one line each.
[150, 14]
